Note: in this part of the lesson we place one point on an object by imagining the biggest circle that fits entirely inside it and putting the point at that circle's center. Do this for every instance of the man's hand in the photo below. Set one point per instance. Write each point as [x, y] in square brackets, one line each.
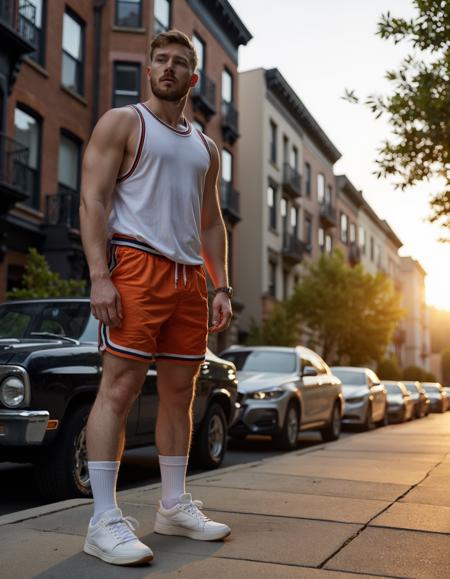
[106, 304]
[222, 313]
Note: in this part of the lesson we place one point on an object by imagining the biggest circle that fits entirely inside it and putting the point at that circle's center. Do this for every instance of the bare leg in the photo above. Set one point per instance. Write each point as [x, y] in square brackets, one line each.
[176, 385]
[120, 385]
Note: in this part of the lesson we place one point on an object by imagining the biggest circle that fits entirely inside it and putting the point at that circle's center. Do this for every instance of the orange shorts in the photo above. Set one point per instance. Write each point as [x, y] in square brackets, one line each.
[164, 306]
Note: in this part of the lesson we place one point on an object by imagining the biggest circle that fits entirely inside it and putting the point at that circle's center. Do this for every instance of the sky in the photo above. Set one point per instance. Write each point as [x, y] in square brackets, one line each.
[323, 47]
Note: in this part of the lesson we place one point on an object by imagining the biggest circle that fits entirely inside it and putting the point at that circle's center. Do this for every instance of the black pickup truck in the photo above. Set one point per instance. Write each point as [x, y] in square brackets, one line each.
[50, 370]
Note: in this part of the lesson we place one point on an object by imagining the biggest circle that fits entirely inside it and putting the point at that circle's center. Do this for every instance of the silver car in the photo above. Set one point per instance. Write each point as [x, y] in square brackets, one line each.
[365, 396]
[400, 402]
[283, 391]
[437, 395]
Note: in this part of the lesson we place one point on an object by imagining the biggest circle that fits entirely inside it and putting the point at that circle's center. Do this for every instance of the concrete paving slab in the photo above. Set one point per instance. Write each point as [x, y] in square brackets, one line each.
[428, 496]
[406, 455]
[417, 517]
[389, 552]
[304, 485]
[436, 481]
[262, 538]
[280, 504]
[364, 470]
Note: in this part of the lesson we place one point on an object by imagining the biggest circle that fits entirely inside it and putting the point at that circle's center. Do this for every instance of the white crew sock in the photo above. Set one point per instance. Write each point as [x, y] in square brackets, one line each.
[103, 476]
[173, 478]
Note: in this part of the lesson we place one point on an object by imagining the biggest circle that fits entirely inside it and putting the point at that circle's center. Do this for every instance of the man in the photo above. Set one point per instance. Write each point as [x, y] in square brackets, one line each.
[149, 194]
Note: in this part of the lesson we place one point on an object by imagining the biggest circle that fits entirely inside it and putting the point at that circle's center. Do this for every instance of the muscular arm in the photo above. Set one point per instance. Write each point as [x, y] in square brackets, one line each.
[102, 162]
[214, 243]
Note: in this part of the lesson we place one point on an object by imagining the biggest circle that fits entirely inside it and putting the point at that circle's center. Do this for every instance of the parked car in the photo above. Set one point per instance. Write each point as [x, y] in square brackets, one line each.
[283, 391]
[400, 402]
[50, 370]
[365, 396]
[420, 398]
[437, 395]
[447, 389]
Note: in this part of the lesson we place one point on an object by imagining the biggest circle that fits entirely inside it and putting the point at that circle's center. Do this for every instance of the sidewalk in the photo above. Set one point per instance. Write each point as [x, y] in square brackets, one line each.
[374, 504]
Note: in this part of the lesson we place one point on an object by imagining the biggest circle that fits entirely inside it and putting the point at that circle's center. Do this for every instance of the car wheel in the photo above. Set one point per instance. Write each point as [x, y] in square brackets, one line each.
[368, 420]
[62, 471]
[286, 439]
[385, 420]
[333, 430]
[210, 442]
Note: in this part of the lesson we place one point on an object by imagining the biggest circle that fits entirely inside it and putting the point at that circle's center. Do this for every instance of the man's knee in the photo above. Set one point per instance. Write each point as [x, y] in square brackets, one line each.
[121, 382]
[176, 385]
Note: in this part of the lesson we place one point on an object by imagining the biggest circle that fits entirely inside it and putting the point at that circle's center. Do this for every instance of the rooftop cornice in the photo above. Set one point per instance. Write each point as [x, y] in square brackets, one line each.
[344, 184]
[282, 90]
[228, 20]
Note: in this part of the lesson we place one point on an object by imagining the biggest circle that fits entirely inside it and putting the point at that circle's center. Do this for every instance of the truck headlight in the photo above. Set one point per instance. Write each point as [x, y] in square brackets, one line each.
[12, 392]
[267, 394]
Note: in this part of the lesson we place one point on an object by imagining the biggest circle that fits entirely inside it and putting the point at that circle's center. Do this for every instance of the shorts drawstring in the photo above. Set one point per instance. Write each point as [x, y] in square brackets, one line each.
[184, 275]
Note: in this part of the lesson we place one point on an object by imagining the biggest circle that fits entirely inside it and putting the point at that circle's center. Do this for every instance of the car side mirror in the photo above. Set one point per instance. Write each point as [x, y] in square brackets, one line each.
[309, 371]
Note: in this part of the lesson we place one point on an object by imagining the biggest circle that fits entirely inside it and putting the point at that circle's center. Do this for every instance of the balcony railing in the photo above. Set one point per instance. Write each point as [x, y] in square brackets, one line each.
[354, 253]
[230, 122]
[230, 202]
[20, 16]
[204, 95]
[328, 214]
[18, 181]
[63, 208]
[292, 181]
[293, 248]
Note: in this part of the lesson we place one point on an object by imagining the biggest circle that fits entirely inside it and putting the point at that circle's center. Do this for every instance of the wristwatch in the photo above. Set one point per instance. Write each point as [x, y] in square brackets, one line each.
[225, 289]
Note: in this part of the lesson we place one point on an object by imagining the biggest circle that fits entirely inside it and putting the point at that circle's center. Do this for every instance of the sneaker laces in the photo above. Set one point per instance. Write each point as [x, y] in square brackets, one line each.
[122, 528]
[193, 508]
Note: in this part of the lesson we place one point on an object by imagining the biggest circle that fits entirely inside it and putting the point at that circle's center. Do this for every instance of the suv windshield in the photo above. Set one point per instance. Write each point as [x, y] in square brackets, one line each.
[349, 377]
[72, 319]
[262, 361]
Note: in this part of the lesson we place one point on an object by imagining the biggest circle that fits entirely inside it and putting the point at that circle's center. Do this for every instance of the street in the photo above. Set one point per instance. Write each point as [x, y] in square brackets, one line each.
[139, 468]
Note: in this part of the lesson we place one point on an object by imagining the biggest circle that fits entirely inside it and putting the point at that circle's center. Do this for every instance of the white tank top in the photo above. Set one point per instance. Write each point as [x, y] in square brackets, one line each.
[159, 200]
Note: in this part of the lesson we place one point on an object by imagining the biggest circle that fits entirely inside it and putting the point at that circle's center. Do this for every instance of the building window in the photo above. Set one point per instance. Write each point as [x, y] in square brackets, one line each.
[39, 23]
[162, 15]
[73, 53]
[352, 233]
[372, 249]
[272, 204]
[294, 221]
[321, 238]
[377, 255]
[294, 158]
[329, 195]
[308, 180]
[285, 284]
[27, 131]
[362, 239]
[127, 83]
[129, 13]
[273, 141]
[320, 188]
[227, 166]
[344, 228]
[308, 230]
[69, 164]
[273, 279]
[200, 49]
[328, 244]
[227, 86]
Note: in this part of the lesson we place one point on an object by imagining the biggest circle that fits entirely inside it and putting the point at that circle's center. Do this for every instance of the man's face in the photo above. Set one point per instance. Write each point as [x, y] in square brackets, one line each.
[170, 72]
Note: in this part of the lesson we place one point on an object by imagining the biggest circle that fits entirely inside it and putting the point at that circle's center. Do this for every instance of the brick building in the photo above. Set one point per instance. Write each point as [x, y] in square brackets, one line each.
[91, 55]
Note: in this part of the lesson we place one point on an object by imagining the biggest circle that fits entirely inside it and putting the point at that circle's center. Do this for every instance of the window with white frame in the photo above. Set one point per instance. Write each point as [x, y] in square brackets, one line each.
[73, 53]
[344, 228]
[321, 188]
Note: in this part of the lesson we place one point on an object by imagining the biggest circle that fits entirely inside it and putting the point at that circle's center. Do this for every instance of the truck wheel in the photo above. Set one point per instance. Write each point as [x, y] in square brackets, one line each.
[286, 439]
[210, 442]
[62, 472]
[333, 429]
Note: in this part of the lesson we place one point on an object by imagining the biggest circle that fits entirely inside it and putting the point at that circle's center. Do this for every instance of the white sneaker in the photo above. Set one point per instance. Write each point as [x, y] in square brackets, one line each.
[187, 520]
[112, 539]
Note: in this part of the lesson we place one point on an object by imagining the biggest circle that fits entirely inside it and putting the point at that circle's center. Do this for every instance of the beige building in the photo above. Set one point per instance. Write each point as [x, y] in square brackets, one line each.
[285, 176]
[348, 203]
[417, 348]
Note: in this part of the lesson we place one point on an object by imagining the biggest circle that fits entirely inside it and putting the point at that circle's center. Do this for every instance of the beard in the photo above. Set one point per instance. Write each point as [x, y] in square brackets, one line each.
[171, 94]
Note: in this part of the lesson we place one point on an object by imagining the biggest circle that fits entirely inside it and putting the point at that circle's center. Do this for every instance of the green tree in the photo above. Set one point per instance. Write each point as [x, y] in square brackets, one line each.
[418, 373]
[418, 109]
[445, 365]
[351, 314]
[389, 369]
[40, 282]
[280, 328]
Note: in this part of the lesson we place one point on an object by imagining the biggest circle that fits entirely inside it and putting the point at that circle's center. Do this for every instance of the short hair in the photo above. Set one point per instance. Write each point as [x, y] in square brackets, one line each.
[174, 36]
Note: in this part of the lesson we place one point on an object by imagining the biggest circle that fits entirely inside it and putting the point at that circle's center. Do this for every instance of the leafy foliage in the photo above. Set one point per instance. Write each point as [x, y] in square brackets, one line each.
[351, 313]
[419, 107]
[40, 282]
[418, 373]
[280, 328]
[389, 369]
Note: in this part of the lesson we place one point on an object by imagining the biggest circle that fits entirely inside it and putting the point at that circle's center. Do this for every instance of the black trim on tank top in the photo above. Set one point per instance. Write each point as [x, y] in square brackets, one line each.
[139, 149]
[185, 133]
